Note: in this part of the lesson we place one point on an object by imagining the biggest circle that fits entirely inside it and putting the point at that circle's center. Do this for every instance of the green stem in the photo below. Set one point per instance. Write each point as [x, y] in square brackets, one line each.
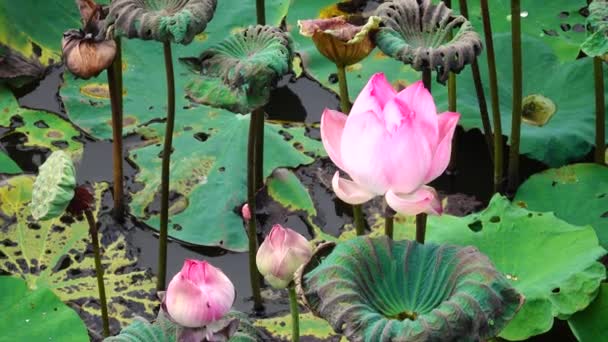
[166, 169]
[358, 219]
[451, 169]
[481, 97]
[513, 173]
[498, 143]
[295, 314]
[345, 107]
[420, 227]
[600, 112]
[344, 99]
[254, 275]
[260, 11]
[115, 88]
[426, 78]
[258, 117]
[99, 272]
[389, 215]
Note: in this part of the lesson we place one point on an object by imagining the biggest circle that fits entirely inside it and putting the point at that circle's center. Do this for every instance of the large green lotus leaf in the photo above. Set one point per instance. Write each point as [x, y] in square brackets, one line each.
[55, 255]
[377, 289]
[590, 325]
[563, 190]
[209, 172]
[7, 165]
[144, 92]
[36, 315]
[551, 262]
[42, 129]
[279, 328]
[163, 329]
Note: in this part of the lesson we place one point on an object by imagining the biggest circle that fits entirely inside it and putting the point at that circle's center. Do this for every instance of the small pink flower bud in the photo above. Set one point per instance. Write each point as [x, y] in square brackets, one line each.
[280, 255]
[245, 212]
[199, 294]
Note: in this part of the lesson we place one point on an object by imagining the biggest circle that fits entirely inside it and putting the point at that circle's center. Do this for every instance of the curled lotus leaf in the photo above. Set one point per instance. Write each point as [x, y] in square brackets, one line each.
[16, 69]
[162, 20]
[238, 73]
[418, 33]
[596, 45]
[377, 289]
[340, 41]
[54, 187]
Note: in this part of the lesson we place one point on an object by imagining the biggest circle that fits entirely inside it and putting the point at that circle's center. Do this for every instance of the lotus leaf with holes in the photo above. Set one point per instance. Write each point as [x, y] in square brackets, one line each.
[238, 73]
[376, 289]
[417, 33]
[175, 21]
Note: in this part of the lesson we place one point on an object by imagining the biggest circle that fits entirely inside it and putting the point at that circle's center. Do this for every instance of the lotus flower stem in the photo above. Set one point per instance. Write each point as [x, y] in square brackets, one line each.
[166, 168]
[389, 217]
[260, 12]
[345, 107]
[99, 272]
[258, 118]
[426, 78]
[481, 97]
[498, 144]
[600, 114]
[295, 314]
[513, 172]
[115, 86]
[420, 227]
[254, 275]
[451, 170]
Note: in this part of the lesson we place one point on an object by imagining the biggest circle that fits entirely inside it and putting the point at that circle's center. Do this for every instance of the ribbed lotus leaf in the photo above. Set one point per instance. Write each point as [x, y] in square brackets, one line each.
[376, 289]
[54, 187]
[416, 32]
[596, 45]
[176, 21]
[16, 69]
[340, 41]
[238, 73]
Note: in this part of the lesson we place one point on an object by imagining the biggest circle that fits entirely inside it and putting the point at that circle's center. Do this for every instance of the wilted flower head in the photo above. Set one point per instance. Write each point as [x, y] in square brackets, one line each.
[198, 295]
[340, 41]
[54, 187]
[86, 54]
[280, 255]
[391, 144]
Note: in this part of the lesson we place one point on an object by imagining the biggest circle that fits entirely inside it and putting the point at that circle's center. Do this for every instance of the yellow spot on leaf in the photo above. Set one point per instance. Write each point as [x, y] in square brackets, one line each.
[96, 90]
[331, 11]
[354, 67]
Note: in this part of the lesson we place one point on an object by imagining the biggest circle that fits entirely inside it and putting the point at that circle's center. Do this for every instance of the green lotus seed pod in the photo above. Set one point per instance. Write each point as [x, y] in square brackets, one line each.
[54, 187]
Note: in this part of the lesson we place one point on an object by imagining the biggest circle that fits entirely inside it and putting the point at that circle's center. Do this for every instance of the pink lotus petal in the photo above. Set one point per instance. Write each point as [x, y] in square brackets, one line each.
[374, 96]
[362, 151]
[420, 101]
[336, 26]
[349, 191]
[448, 122]
[407, 155]
[423, 200]
[332, 127]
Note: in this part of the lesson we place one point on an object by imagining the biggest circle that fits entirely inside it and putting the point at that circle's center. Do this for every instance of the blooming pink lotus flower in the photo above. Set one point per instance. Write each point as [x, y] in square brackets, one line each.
[198, 295]
[391, 144]
[280, 255]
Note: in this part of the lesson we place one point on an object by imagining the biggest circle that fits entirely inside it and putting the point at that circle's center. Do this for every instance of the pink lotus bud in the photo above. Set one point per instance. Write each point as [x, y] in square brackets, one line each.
[199, 294]
[391, 145]
[245, 212]
[280, 255]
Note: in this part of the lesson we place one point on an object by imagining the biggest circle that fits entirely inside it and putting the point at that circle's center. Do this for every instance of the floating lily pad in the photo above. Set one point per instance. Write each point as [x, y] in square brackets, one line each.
[36, 315]
[56, 255]
[209, 175]
[7, 165]
[377, 289]
[576, 193]
[590, 325]
[551, 262]
[279, 328]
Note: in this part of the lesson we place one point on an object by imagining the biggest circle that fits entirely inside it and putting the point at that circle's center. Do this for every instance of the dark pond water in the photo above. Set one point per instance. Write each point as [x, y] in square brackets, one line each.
[299, 100]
